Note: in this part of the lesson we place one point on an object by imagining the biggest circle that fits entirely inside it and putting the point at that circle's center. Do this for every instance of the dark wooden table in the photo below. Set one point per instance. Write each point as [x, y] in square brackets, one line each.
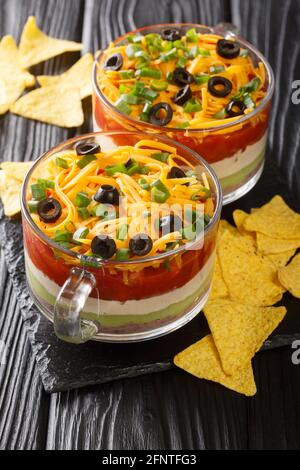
[170, 410]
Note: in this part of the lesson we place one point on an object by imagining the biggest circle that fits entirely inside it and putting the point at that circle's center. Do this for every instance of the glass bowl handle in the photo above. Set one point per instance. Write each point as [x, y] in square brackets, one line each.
[227, 30]
[68, 324]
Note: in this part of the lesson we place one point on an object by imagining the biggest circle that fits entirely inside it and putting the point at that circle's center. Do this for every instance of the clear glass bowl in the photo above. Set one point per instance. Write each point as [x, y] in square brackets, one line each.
[120, 301]
[236, 151]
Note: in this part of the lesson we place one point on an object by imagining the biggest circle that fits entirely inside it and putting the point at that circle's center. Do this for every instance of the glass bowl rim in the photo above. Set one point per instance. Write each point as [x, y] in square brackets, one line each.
[189, 131]
[113, 263]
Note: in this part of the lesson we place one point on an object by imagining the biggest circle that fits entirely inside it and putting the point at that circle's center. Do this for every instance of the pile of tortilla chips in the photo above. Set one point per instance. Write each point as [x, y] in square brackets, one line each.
[58, 100]
[252, 272]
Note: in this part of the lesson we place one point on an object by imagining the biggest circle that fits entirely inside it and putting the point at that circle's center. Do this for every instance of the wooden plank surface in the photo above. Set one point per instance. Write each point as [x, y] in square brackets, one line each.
[171, 409]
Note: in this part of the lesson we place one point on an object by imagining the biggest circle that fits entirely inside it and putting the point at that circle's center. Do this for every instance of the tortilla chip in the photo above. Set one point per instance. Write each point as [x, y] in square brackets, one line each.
[290, 276]
[10, 194]
[275, 219]
[224, 225]
[17, 170]
[52, 105]
[36, 47]
[267, 245]
[78, 76]
[240, 330]
[202, 360]
[250, 278]
[13, 79]
[280, 259]
[219, 288]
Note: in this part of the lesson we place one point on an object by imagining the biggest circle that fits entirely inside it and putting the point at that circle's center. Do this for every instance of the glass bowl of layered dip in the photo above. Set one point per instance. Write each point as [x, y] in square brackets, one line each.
[119, 234]
[207, 89]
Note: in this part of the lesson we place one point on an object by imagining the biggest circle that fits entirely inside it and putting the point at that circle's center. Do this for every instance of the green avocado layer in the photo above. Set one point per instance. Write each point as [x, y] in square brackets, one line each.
[239, 177]
[121, 320]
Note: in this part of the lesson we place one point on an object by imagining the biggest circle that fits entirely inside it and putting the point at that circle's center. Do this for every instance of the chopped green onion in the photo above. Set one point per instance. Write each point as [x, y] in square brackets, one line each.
[170, 55]
[138, 89]
[161, 156]
[46, 183]
[128, 98]
[122, 254]
[159, 192]
[85, 160]
[220, 114]
[32, 206]
[118, 168]
[132, 49]
[188, 232]
[216, 69]
[144, 117]
[104, 211]
[71, 224]
[180, 45]
[248, 101]
[142, 55]
[166, 265]
[190, 173]
[154, 40]
[158, 196]
[143, 183]
[206, 219]
[159, 85]
[192, 106]
[244, 53]
[182, 61]
[250, 86]
[124, 74]
[195, 51]
[62, 163]
[150, 94]
[192, 35]
[62, 236]
[147, 107]
[201, 79]
[153, 51]
[169, 76]
[66, 245]
[122, 232]
[82, 199]
[122, 88]
[144, 170]
[80, 233]
[183, 125]
[38, 192]
[123, 107]
[83, 212]
[135, 38]
[148, 72]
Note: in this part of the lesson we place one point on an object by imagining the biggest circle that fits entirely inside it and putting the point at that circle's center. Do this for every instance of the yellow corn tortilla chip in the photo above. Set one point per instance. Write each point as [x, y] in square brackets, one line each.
[219, 288]
[239, 218]
[289, 276]
[78, 76]
[202, 360]
[13, 79]
[269, 245]
[275, 219]
[17, 170]
[280, 259]
[249, 277]
[240, 330]
[10, 194]
[36, 47]
[225, 225]
[51, 105]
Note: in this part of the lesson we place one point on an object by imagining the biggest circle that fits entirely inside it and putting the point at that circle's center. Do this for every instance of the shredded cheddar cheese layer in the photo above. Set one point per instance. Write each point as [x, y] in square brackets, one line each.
[196, 53]
[141, 176]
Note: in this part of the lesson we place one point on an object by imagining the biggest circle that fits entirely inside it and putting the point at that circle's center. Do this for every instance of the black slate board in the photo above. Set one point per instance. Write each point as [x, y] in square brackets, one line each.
[64, 366]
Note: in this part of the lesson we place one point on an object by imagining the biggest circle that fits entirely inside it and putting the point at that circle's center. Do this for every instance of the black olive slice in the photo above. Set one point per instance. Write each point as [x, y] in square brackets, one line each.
[160, 114]
[176, 172]
[49, 210]
[140, 244]
[107, 194]
[183, 95]
[182, 77]
[87, 148]
[235, 108]
[228, 49]
[171, 34]
[104, 246]
[219, 86]
[114, 62]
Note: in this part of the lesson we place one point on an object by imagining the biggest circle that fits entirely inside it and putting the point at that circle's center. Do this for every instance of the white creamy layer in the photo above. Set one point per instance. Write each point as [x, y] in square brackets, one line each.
[136, 307]
[230, 166]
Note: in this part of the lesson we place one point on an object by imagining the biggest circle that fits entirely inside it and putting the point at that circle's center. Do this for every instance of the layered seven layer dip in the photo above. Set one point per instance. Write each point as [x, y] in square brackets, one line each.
[139, 217]
[209, 92]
